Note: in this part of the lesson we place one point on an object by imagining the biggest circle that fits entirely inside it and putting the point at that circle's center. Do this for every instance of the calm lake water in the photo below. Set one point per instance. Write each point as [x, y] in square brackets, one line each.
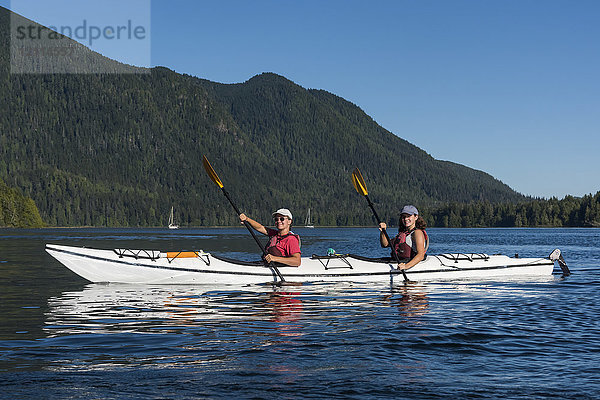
[64, 338]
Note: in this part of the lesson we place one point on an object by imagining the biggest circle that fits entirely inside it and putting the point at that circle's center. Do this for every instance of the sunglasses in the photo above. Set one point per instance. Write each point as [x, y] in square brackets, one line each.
[278, 219]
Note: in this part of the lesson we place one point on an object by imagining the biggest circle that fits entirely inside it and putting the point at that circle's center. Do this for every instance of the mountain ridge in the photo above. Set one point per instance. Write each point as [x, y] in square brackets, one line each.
[121, 149]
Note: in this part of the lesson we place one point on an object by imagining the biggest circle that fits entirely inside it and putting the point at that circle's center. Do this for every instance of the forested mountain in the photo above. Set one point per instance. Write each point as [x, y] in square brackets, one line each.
[121, 149]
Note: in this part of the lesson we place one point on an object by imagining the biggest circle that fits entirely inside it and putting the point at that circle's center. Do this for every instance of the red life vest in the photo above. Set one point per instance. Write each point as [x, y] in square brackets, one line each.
[274, 240]
[405, 246]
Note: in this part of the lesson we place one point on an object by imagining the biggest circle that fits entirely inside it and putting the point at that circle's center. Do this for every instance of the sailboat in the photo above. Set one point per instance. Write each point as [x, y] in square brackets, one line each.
[172, 221]
[307, 222]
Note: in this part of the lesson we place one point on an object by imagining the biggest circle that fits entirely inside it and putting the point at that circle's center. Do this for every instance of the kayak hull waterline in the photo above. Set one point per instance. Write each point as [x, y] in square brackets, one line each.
[154, 267]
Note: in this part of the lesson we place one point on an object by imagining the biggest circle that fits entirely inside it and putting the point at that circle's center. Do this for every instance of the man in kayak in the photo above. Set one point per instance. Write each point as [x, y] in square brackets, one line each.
[411, 242]
[284, 245]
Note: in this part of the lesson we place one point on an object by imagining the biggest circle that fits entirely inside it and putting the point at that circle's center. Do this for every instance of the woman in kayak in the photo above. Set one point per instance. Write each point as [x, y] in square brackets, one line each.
[411, 242]
[284, 245]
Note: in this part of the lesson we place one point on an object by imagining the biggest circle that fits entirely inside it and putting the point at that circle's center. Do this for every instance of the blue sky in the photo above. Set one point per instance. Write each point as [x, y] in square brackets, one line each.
[510, 87]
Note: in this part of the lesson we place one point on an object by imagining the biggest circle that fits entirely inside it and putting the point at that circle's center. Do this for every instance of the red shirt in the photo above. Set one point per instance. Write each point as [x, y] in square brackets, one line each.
[282, 246]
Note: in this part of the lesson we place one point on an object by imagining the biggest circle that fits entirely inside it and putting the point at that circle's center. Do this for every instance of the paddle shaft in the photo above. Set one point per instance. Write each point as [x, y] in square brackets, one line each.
[394, 255]
[247, 225]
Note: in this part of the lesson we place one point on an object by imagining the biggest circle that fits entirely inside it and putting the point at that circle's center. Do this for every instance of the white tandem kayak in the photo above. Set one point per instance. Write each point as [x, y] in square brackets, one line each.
[198, 267]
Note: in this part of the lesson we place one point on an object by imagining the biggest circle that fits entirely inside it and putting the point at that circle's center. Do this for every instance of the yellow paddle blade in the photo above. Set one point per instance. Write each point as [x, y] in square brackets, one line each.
[354, 183]
[359, 182]
[211, 172]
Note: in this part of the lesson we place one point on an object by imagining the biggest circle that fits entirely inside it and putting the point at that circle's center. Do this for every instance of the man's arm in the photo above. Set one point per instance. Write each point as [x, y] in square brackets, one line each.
[293, 261]
[255, 225]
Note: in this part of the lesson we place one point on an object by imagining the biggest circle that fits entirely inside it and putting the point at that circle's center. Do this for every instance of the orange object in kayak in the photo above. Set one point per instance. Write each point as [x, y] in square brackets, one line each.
[182, 254]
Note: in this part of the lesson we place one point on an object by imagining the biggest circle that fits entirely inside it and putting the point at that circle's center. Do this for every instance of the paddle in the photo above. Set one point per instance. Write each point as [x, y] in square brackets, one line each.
[361, 188]
[215, 178]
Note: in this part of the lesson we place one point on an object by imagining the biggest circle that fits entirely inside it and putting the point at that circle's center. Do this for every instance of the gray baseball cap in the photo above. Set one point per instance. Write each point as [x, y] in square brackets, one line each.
[410, 210]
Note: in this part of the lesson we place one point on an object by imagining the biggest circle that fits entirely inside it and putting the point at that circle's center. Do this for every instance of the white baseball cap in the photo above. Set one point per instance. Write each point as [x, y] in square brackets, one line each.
[285, 212]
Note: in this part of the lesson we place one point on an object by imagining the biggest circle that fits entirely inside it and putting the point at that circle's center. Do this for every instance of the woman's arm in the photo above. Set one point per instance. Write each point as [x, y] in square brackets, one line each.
[382, 239]
[258, 227]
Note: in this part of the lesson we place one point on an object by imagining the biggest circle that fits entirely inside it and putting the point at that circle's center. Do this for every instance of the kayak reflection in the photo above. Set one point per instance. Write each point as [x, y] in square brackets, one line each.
[102, 308]
[410, 299]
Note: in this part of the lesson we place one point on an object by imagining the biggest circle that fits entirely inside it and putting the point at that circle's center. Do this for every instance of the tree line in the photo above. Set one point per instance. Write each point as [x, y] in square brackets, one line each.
[568, 212]
[16, 210]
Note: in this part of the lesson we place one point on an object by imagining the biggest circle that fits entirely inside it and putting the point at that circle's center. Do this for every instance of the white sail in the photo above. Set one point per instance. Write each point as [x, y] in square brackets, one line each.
[172, 221]
[307, 221]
